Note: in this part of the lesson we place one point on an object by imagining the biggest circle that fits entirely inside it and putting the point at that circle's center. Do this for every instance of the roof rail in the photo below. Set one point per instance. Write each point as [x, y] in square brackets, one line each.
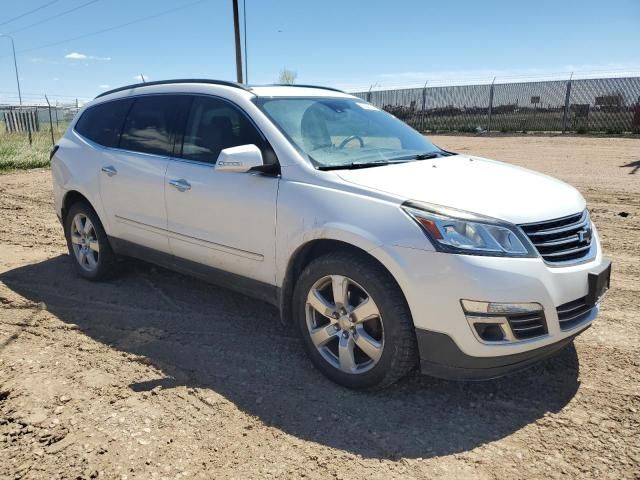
[299, 85]
[169, 82]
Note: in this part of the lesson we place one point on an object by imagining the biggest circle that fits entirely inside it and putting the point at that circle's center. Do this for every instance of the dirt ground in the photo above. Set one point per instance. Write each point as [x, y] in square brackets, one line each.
[156, 375]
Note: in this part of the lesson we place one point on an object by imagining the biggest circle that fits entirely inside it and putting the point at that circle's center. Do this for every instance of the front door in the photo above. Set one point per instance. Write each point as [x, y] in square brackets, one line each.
[221, 219]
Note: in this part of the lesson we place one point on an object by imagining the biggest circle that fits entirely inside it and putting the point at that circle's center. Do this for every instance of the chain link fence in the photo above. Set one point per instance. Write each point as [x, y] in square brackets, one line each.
[28, 132]
[29, 120]
[601, 105]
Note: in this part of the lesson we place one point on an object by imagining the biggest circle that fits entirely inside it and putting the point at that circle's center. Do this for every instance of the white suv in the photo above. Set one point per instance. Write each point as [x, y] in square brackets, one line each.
[386, 251]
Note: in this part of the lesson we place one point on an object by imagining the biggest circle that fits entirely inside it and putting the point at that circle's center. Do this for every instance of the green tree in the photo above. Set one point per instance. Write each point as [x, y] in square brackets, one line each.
[287, 77]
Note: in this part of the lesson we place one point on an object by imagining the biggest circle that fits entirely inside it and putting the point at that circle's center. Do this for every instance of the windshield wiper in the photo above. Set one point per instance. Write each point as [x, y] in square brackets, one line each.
[422, 156]
[355, 165]
[426, 156]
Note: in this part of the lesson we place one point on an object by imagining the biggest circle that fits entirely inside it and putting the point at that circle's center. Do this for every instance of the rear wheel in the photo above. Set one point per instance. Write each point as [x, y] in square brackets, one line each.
[354, 321]
[87, 242]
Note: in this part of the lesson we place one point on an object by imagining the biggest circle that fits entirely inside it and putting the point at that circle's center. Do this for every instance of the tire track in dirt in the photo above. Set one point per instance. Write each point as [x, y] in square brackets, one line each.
[155, 374]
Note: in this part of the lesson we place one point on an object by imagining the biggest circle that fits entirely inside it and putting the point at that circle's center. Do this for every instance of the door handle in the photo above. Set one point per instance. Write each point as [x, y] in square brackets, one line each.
[182, 185]
[109, 170]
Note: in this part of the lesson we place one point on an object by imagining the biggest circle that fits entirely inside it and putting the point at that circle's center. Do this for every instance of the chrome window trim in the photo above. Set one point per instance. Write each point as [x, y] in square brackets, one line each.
[174, 153]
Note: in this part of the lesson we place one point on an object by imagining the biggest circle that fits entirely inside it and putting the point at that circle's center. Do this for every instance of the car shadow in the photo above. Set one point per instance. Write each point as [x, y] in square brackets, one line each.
[206, 337]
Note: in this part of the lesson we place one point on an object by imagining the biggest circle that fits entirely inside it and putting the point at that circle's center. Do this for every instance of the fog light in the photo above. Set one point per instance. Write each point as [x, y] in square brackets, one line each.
[489, 332]
[496, 308]
[497, 322]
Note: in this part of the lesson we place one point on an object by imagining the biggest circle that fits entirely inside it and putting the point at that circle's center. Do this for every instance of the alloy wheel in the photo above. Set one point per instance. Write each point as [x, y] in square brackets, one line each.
[344, 324]
[84, 241]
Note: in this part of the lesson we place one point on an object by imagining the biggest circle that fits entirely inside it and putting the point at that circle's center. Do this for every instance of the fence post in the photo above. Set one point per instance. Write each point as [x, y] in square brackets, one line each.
[57, 126]
[490, 105]
[567, 98]
[424, 105]
[29, 130]
[53, 142]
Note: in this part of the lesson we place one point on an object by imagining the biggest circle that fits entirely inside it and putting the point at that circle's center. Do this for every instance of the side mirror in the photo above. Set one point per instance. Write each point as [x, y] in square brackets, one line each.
[239, 159]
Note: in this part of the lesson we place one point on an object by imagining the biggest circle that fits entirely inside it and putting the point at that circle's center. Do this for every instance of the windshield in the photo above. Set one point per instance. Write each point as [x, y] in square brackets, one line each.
[345, 132]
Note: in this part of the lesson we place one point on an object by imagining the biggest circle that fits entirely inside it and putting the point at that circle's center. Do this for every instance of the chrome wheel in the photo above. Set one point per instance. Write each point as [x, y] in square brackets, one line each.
[84, 241]
[344, 324]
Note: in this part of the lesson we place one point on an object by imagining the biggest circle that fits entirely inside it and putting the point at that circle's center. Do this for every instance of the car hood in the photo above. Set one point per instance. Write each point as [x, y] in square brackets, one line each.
[474, 184]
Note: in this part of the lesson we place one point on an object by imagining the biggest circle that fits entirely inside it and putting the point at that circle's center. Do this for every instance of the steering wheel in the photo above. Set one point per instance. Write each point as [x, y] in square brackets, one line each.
[349, 139]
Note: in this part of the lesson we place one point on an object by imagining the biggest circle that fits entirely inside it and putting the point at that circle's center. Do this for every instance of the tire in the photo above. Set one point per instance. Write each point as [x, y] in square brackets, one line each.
[99, 260]
[389, 345]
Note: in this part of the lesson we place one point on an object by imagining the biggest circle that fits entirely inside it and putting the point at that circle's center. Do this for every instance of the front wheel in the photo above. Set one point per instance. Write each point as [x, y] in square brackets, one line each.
[354, 320]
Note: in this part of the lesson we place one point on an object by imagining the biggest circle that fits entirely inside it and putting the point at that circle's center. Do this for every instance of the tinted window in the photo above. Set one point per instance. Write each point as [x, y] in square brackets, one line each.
[214, 125]
[151, 122]
[103, 123]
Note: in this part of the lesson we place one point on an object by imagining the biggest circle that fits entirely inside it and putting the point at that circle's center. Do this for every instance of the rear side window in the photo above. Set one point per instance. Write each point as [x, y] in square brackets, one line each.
[214, 125]
[151, 124]
[103, 123]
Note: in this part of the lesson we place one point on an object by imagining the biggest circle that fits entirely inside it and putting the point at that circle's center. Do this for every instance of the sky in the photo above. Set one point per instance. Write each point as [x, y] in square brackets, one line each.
[349, 44]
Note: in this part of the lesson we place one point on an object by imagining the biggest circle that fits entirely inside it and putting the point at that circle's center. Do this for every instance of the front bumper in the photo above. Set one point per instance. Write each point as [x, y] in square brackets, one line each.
[440, 357]
[434, 283]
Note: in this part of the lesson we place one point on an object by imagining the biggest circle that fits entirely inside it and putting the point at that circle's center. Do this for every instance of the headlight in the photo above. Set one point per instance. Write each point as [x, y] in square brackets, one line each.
[455, 231]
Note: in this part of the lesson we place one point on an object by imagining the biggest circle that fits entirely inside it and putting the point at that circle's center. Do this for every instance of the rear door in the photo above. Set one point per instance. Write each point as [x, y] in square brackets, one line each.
[221, 219]
[132, 178]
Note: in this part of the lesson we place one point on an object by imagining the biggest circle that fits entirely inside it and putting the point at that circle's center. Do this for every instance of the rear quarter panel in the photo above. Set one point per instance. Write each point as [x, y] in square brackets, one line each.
[76, 167]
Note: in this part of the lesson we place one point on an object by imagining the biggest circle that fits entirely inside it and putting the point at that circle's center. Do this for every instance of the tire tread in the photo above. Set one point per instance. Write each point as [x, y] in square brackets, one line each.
[405, 356]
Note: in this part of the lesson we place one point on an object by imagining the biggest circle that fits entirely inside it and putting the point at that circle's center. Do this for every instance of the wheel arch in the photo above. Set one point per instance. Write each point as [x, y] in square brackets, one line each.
[70, 198]
[308, 252]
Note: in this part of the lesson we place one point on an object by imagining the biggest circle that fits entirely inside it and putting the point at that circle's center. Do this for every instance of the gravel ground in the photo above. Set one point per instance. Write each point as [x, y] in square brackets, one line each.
[156, 375]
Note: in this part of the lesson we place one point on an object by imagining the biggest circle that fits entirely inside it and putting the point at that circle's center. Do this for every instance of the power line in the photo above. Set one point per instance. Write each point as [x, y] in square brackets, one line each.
[33, 94]
[29, 12]
[55, 16]
[104, 30]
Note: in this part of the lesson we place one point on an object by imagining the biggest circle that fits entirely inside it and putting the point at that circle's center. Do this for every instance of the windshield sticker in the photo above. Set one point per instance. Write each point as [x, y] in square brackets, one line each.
[367, 106]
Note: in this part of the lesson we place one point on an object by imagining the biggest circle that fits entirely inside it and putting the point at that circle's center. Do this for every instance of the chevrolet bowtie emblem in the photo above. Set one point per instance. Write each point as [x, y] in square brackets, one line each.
[584, 235]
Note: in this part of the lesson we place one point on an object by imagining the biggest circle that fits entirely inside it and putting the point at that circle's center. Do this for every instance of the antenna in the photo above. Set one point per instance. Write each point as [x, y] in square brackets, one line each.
[142, 77]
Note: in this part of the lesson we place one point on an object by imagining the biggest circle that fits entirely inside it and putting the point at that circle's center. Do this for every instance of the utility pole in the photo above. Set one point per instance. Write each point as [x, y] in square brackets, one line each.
[490, 109]
[15, 65]
[236, 28]
[567, 99]
[246, 50]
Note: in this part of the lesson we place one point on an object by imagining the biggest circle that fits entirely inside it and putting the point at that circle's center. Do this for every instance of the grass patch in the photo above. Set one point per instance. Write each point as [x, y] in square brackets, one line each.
[17, 154]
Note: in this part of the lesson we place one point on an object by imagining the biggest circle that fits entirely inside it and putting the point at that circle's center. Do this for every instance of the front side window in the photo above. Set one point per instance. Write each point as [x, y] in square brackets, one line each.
[345, 132]
[102, 123]
[214, 125]
[151, 124]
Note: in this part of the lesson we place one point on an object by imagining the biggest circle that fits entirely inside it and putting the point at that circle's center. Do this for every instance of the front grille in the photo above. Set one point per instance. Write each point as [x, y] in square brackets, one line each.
[527, 325]
[573, 313]
[561, 240]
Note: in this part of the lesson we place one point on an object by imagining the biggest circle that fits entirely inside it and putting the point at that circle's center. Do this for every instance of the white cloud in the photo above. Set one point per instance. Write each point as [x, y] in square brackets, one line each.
[104, 86]
[76, 56]
[82, 56]
[140, 78]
